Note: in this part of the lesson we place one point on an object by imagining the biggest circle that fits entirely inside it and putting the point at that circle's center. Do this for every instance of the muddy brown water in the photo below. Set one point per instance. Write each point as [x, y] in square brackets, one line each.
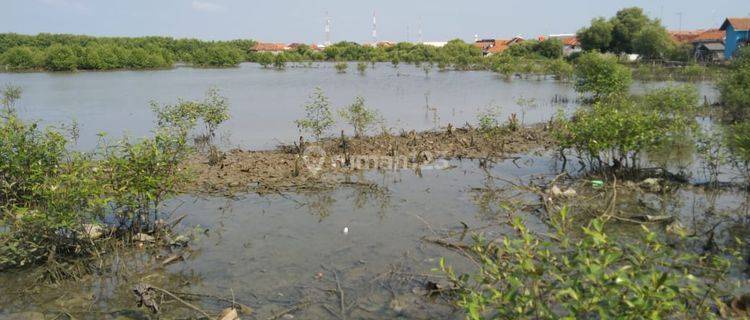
[282, 253]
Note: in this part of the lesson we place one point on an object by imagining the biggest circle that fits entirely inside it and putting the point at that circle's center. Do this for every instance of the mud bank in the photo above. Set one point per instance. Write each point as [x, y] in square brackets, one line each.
[309, 165]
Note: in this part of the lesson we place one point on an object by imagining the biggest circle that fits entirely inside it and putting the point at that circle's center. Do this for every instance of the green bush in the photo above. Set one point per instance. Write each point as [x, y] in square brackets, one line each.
[183, 116]
[217, 56]
[560, 69]
[62, 52]
[318, 116]
[592, 276]
[19, 58]
[615, 132]
[738, 142]
[61, 58]
[265, 59]
[359, 116]
[601, 76]
[735, 87]
[362, 67]
[49, 194]
[676, 103]
[279, 61]
[341, 67]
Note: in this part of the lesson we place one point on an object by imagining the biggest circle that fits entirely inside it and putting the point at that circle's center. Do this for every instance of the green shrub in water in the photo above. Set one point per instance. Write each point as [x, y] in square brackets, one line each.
[212, 111]
[362, 67]
[318, 116]
[735, 87]
[341, 67]
[738, 142]
[569, 275]
[50, 195]
[359, 116]
[614, 132]
[601, 75]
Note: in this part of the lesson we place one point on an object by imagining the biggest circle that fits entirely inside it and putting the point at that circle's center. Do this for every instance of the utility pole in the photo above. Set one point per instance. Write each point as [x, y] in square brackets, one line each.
[328, 29]
[679, 15]
[374, 29]
[420, 31]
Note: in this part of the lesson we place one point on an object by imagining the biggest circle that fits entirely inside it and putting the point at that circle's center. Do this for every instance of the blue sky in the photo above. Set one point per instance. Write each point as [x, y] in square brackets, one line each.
[303, 20]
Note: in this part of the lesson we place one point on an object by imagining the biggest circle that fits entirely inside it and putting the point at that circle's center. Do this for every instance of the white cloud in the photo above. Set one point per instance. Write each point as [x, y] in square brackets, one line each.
[207, 6]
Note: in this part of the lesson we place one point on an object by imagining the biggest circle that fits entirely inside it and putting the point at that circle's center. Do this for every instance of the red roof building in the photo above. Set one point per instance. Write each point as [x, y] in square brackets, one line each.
[269, 47]
[492, 46]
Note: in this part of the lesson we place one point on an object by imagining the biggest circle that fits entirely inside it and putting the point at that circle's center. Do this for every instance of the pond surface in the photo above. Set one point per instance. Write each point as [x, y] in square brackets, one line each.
[282, 254]
[265, 102]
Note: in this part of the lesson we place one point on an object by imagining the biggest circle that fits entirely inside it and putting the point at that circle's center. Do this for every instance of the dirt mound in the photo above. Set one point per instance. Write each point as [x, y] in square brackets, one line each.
[325, 163]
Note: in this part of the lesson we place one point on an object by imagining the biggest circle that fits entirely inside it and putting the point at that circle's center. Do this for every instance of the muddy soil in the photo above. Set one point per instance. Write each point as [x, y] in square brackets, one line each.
[322, 164]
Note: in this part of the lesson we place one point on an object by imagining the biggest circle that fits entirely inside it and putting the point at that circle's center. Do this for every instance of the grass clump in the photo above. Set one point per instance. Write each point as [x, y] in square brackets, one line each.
[341, 67]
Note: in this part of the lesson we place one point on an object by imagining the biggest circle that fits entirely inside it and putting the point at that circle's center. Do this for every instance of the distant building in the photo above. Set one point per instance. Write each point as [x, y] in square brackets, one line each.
[571, 45]
[707, 45]
[380, 44]
[737, 30]
[269, 47]
[685, 36]
[436, 44]
[294, 46]
[569, 40]
[709, 52]
[493, 46]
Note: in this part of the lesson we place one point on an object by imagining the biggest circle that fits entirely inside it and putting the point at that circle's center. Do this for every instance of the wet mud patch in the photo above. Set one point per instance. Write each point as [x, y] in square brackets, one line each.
[312, 165]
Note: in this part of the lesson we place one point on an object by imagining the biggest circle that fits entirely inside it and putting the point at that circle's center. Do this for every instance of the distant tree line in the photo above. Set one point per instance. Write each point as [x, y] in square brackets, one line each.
[63, 52]
[456, 54]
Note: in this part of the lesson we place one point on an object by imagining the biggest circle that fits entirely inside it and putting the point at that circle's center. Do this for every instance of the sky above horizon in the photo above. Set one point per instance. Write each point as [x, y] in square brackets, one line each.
[304, 20]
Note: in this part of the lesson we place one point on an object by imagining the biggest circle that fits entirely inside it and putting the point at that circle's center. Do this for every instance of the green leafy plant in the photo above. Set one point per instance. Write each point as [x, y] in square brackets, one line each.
[10, 96]
[359, 116]
[734, 87]
[362, 67]
[184, 116]
[488, 118]
[738, 143]
[614, 133]
[51, 196]
[341, 67]
[279, 61]
[601, 76]
[318, 116]
[584, 273]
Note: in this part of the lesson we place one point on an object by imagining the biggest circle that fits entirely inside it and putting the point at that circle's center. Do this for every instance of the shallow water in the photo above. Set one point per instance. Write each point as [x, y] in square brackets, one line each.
[273, 252]
[265, 102]
[267, 250]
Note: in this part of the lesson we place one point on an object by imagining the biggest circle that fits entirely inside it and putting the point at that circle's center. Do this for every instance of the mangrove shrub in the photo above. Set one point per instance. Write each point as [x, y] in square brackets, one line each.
[601, 76]
[592, 276]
